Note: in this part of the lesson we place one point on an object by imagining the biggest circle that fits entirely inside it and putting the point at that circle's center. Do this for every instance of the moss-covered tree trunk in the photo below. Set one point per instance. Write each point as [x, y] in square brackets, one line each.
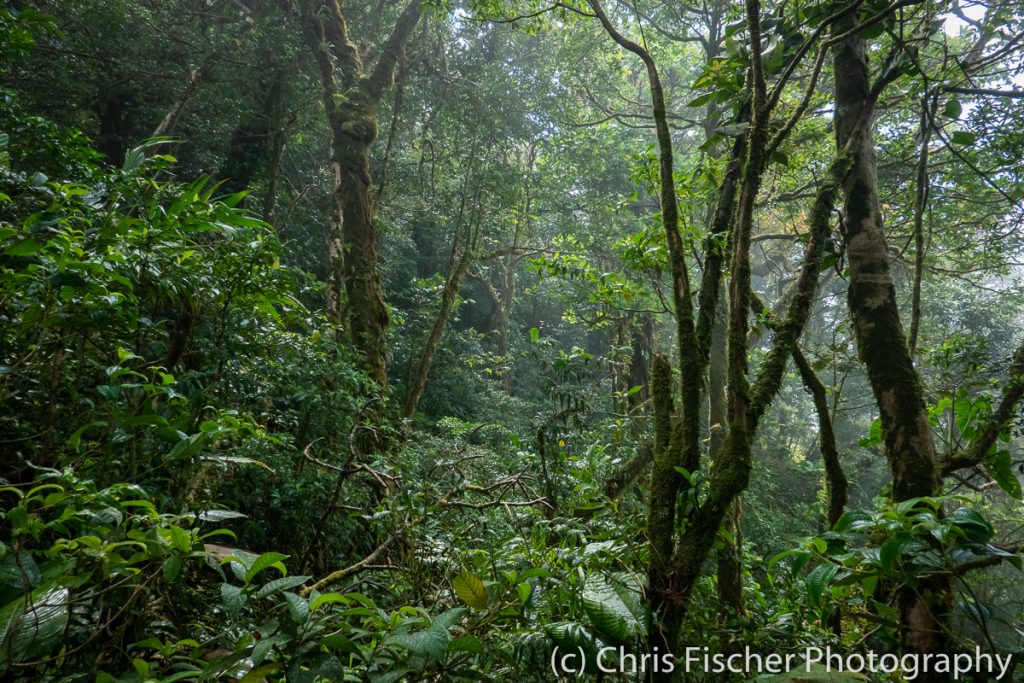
[730, 553]
[351, 94]
[881, 342]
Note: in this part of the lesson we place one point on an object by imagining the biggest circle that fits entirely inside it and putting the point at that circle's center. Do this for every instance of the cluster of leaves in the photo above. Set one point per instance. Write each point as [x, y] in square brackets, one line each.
[861, 561]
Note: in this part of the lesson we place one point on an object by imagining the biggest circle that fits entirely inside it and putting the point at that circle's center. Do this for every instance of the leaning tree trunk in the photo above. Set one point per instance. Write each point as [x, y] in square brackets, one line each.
[882, 345]
[453, 282]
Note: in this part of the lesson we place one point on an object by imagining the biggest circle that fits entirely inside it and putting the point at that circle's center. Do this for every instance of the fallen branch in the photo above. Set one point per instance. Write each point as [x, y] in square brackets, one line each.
[496, 503]
[359, 566]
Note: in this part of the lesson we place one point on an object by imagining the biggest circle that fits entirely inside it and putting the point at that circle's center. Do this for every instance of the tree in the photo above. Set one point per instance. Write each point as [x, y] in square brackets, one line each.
[351, 95]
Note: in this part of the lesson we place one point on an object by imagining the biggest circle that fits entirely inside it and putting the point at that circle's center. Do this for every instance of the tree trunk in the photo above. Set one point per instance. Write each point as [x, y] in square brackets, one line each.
[836, 485]
[364, 306]
[354, 296]
[456, 273]
[928, 106]
[642, 341]
[923, 609]
[729, 556]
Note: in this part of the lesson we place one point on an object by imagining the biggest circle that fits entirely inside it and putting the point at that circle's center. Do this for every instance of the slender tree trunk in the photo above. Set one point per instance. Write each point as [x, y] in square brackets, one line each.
[836, 485]
[923, 609]
[456, 273]
[928, 105]
[729, 555]
[642, 341]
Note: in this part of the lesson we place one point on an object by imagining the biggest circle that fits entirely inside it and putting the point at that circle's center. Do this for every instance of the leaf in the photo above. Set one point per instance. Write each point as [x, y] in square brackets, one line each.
[339, 643]
[571, 636]
[818, 580]
[33, 625]
[701, 100]
[1000, 468]
[232, 598]
[432, 641]
[609, 612]
[963, 137]
[894, 547]
[260, 651]
[449, 618]
[534, 335]
[975, 528]
[953, 109]
[172, 567]
[220, 515]
[14, 572]
[327, 599]
[282, 584]
[872, 30]
[470, 590]
[524, 591]
[389, 677]
[786, 553]
[467, 643]
[25, 247]
[181, 539]
[298, 607]
[265, 561]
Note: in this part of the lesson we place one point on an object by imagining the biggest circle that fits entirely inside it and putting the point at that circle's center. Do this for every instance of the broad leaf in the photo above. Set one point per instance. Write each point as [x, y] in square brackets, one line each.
[608, 605]
[470, 590]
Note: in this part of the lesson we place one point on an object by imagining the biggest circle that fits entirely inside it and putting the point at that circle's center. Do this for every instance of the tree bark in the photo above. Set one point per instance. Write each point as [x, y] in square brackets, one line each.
[355, 301]
[882, 344]
[928, 105]
[836, 486]
[729, 555]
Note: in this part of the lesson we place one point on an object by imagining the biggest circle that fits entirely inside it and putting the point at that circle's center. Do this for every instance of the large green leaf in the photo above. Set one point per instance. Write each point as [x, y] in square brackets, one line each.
[298, 607]
[432, 641]
[613, 611]
[265, 561]
[1000, 468]
[571, 637]
[817, 581]
[33, 626]
[449, 618]
[282, 584]
[975, 528]
[232, 598]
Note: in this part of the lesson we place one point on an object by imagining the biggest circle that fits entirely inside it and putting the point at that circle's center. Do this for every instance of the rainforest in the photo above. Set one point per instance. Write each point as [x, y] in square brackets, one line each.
[511, 340]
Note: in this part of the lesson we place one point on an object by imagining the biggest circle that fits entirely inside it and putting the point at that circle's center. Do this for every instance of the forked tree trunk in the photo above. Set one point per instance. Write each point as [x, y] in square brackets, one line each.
[354, 298]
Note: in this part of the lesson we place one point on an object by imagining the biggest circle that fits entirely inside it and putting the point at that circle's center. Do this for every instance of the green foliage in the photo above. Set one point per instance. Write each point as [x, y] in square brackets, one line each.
[166, 368]
[79, 560]
[907, 543]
